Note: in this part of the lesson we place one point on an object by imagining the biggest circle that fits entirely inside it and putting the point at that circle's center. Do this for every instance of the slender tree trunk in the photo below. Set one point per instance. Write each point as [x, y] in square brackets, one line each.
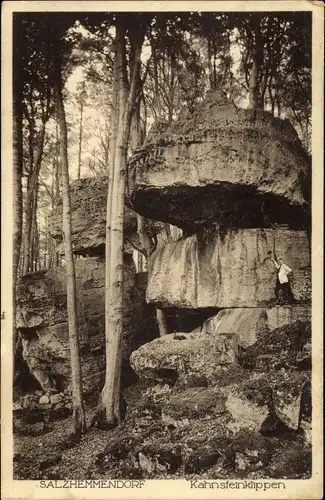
[144, 239]
[35, 247]
[80, 138]
[115, 263]
[253, 86]
[214, 65]
[140, 262]
[57, 162]
[32, 186]
[114, 293]
[161, 321]
[103, 416]
[78, 418]
[254, 94]
[272, 100]
[210, 71]
[17, 178]
[34, 229]
[27, 231]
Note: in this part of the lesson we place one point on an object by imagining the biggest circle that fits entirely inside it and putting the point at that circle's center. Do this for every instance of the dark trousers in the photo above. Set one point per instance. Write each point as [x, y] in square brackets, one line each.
[283, 293]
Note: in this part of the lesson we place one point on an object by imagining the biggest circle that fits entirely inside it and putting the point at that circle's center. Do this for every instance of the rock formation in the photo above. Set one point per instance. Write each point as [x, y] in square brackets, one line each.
[221, 164]
[234, 181]
[42, 309]
[231, 269]
[217, 411]
[42, 320]
[238, 184]
[231, 396]
[88, 214]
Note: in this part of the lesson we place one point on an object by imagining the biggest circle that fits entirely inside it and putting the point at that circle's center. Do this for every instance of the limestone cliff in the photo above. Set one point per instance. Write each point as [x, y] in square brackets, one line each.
[231, 269]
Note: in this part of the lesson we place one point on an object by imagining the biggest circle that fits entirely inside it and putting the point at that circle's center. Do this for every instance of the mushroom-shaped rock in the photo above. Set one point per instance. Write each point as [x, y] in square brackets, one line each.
[226, 269]
[88, 213]
[222, 164]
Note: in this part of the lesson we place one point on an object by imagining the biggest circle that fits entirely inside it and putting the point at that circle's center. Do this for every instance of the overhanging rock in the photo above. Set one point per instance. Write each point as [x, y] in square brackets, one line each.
[228, 269]
[222, 164]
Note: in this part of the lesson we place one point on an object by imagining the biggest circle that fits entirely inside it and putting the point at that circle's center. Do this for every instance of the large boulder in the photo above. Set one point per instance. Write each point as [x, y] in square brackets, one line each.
[251, 323]
[42, 320]
[88, 214]
[173, 356]
[227, 269]
[222, 164]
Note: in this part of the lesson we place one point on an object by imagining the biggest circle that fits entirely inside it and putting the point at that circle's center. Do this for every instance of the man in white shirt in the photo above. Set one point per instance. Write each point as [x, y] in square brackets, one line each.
[282, 283]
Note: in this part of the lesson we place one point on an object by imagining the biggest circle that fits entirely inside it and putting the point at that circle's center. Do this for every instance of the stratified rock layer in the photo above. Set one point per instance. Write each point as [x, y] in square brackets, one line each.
[42, 320]
[230, 269]
[222, 164]
[88, 213]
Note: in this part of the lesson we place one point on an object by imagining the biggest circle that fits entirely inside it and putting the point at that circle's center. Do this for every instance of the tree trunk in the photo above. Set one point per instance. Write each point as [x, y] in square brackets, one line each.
[253, 87]
[80, 139]
[175, 232]
[161, 321]
[210, 71]
[32, 186]
[34, 230]
[103, 416]
[57, 163]
[272, 99]
[17, 177]
[110, 397]
[27, 231]
[140, 262]
[78, 418]
[254, 94]
[214, 65]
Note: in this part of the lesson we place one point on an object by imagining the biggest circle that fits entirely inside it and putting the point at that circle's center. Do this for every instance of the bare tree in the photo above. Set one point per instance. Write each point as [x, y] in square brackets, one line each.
[78, 418]
[124, 96]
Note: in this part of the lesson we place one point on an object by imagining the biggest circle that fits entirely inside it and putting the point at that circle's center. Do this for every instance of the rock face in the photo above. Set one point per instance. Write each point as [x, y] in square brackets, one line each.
[88, 209]
[219, 164]
[234, 269]
[42, 320]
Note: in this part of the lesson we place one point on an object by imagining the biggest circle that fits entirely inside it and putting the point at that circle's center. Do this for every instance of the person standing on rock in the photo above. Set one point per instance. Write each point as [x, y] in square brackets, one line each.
[282, 283]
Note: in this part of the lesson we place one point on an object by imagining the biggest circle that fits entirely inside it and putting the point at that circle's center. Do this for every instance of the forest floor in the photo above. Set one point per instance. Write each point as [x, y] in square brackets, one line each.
[50, 456]
[46, 456]
[103, 454]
